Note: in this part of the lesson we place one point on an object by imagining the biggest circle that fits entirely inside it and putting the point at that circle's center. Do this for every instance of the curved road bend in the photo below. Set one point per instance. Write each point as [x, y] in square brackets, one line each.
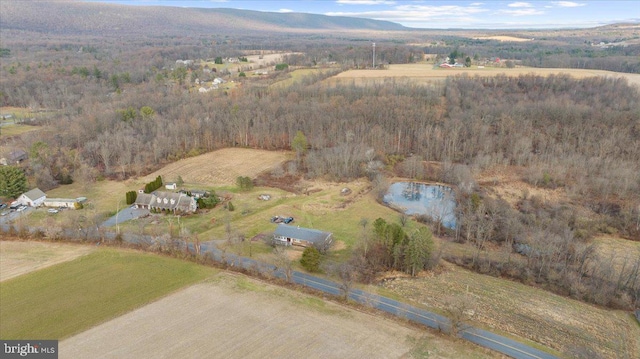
[478, 336]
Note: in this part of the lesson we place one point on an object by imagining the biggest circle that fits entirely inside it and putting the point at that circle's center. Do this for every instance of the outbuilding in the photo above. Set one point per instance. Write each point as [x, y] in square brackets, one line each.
[305, 237]
[33, 198]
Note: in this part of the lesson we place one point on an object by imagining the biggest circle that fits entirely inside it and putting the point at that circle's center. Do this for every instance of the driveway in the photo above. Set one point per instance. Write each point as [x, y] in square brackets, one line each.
[124, 215]
[13, 214]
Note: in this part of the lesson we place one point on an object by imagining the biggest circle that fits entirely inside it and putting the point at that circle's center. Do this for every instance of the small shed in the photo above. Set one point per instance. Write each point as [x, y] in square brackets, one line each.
[298, 236]
[171, 185]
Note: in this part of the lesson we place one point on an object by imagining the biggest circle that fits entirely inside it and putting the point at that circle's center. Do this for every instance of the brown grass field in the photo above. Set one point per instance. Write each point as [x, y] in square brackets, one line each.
[554, 321]
[221, 167]
[235, 317]
[426, 72]
[503, 38]
[18, 258]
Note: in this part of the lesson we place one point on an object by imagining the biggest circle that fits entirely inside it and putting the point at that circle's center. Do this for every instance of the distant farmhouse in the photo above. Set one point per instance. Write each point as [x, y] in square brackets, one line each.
[305, 237]
[166, 201]
[33, 198]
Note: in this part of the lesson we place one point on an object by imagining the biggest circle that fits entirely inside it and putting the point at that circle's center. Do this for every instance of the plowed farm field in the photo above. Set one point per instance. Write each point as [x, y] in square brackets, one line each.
[221, 167]
[232, 316]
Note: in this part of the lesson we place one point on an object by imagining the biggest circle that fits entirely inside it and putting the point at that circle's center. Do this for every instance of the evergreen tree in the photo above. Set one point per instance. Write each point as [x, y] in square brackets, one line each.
[13, 181]
[418, 251]
[311, 259]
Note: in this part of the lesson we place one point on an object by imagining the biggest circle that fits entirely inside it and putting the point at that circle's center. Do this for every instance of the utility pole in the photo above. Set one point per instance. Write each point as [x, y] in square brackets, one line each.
[374, 55]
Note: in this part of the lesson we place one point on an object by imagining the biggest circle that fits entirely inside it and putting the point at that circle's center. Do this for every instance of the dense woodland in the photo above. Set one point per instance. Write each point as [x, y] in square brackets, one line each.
[113, 110]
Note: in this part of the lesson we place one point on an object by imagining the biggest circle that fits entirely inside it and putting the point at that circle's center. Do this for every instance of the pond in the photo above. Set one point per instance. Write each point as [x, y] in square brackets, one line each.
[413, 198]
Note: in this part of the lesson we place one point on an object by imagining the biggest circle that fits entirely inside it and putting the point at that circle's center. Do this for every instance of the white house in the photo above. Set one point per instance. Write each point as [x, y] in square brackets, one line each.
[33, 198]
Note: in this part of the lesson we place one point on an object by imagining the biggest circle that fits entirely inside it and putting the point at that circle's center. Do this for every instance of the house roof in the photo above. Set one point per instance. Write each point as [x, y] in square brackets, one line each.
[34, 194]
[143, 199]
[165, 200]
[17, 155]
[305, 234]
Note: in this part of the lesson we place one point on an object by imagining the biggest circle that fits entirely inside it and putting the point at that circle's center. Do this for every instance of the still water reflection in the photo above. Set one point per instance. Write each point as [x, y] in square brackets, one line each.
[413, 198]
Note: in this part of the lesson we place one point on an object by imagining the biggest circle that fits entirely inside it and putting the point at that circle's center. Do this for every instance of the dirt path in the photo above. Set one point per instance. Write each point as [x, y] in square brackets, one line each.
[237, 317]
[20, 257]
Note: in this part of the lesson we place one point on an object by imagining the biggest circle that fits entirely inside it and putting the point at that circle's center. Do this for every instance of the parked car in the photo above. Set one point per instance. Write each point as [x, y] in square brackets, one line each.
[4, 213]
[3, 206]
[288, 220]
[52, 210]
[21, 208]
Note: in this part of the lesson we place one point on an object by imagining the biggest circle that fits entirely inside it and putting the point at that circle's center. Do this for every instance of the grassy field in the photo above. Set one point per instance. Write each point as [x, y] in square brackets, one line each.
[422, 72]
[68, 298]
[19, 257]
[9, 130]
[296, 76]
[219, 168]
[232, 316]
[510, 307]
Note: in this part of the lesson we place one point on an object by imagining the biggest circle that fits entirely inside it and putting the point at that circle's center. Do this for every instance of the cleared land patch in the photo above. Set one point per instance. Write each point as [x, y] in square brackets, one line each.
[221, 167]
[70, 297]
[236, 317]
[552, 320]
[17, 258]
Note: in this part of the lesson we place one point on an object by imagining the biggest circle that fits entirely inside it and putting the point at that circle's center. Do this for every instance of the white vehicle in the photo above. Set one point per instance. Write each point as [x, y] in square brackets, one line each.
[52, 210]
[21, 208]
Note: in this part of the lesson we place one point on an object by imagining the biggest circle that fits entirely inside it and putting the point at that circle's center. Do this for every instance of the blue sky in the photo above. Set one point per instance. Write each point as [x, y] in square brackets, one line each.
[440, 14]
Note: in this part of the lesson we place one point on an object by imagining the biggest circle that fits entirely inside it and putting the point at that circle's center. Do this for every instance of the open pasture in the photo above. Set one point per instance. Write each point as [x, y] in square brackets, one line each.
[232, 316]
[68, 298]
[426, 72]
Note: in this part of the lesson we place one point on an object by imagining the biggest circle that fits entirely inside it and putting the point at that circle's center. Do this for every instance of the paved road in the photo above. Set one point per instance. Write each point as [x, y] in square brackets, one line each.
[478, 336]
[124, 215]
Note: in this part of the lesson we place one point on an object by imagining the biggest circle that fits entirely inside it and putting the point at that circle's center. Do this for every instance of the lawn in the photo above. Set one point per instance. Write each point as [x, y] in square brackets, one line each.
[68, 298]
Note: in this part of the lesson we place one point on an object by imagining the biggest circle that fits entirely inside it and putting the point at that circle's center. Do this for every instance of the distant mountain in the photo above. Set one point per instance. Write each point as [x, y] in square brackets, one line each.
[67, 17]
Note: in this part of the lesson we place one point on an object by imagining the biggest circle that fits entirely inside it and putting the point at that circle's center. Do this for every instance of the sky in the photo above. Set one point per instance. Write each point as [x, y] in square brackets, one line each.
[489, 14]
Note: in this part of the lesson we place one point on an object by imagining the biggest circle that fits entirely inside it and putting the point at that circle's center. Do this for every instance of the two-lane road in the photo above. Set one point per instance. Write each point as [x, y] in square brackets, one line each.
[478, 336]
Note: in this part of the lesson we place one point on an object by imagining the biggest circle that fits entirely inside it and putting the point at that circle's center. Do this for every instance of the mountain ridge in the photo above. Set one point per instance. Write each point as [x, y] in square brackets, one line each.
[66, 17]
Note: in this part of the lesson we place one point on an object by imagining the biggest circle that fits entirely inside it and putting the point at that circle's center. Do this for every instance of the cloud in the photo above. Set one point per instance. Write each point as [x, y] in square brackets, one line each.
[522, 12]
[567, 4]
[365, 2]
[520, 4]
[285, 10]
[476, 4]
[423, 15]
